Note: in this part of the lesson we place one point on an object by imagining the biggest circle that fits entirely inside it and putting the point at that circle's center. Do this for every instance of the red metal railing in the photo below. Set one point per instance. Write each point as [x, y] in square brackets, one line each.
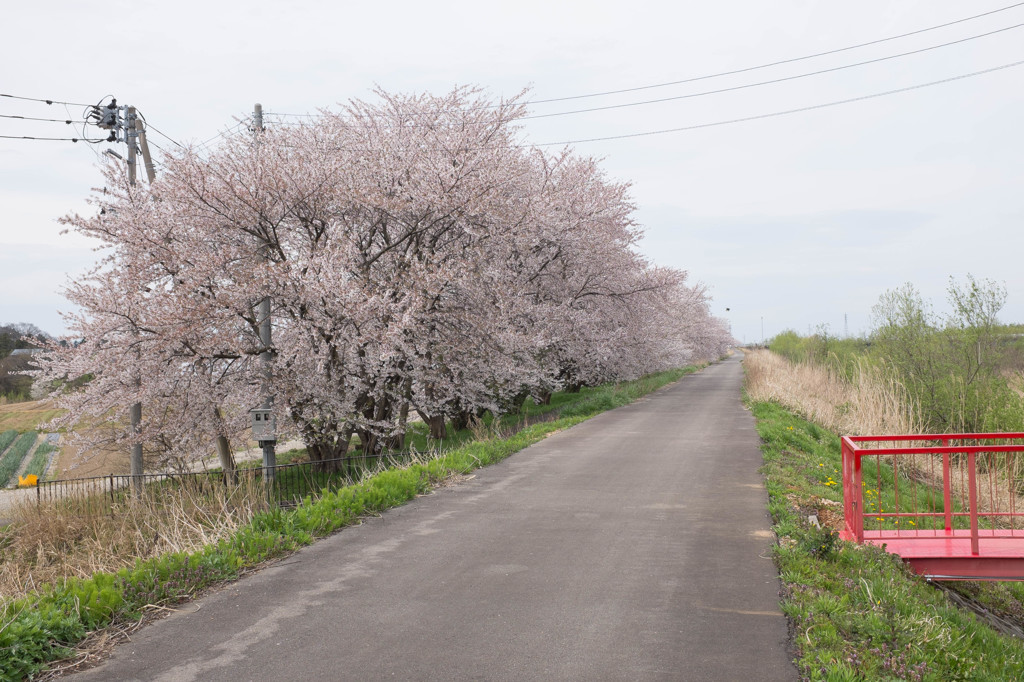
[953, 487]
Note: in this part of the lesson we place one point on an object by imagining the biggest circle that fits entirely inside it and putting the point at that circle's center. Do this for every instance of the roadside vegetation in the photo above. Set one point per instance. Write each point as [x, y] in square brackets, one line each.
[64, 576]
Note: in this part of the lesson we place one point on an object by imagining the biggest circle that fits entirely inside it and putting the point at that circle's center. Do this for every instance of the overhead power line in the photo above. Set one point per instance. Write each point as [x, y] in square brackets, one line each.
[68, 121]
[51, 139]
[48, 101]
[783, 113]
[156, 130]
[776, 63]
[745, 119]
[222, 134]
[745, 85]
[774, 80]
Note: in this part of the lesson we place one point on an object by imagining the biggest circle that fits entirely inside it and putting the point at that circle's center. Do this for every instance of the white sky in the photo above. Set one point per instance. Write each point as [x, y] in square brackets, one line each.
[796, 220]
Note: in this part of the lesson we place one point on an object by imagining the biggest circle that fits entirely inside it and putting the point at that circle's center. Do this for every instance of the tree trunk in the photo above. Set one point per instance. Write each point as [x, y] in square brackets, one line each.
[227, 459]
[397, 441]
[370, 443]
[327, 454]
[544, 397]
[224, 454]
[437, 427]
[461, 420]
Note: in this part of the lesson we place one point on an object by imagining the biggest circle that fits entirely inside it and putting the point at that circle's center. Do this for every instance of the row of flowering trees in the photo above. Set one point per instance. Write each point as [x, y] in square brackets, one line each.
[419, 257]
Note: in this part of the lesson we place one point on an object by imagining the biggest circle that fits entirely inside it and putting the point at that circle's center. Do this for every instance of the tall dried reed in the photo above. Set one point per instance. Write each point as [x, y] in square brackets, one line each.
[871, 403]
[874, 403]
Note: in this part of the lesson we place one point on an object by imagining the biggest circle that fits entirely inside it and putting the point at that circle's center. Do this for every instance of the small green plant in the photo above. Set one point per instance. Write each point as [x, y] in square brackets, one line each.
[819, 542]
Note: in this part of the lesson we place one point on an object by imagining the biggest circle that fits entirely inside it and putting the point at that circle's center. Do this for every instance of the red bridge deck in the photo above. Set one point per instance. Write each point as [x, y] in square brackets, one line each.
[946, 504]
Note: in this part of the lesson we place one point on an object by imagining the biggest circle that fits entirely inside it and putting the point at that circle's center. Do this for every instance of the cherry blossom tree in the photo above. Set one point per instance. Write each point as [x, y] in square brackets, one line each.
[419, 256]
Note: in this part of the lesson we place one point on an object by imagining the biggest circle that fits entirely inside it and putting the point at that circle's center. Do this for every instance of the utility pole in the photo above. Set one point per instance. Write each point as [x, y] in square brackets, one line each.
[147, 159]
[269, 438]
[135, 411]
[134, 134]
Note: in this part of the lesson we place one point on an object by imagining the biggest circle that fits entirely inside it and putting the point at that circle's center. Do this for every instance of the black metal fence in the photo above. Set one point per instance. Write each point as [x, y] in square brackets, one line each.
[285, 485]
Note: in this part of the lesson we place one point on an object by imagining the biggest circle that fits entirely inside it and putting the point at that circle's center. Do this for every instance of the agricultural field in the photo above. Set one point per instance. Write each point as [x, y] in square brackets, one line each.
[23, 449]
[26, 416]
[24, 454]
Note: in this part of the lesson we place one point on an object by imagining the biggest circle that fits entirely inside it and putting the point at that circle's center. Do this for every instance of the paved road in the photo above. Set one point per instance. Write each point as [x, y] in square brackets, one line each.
[631, 547]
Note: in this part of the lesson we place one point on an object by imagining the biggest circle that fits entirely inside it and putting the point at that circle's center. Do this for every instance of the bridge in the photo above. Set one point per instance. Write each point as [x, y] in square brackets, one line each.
[947, 504]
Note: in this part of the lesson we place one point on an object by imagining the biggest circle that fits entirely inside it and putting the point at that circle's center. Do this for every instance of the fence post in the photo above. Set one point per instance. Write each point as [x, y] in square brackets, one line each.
[858, 518]
[947, 488]
[972, 484]
[851, 500]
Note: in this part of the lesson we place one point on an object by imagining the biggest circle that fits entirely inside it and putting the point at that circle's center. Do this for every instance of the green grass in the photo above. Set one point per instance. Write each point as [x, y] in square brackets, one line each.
[11, 461]
[40, 458]
[6, 438]
[42, 626]
[857, 612]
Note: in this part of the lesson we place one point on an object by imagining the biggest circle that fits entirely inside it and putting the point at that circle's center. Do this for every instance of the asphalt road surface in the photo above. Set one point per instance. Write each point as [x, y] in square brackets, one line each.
[634, 546]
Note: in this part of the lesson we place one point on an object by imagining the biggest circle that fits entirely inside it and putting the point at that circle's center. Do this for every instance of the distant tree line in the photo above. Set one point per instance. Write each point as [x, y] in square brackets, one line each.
[14, 385]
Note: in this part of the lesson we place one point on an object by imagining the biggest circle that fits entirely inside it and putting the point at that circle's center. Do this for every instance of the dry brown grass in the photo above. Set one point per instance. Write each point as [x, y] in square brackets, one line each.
[26, 416]
[870, 404]
[50, 542]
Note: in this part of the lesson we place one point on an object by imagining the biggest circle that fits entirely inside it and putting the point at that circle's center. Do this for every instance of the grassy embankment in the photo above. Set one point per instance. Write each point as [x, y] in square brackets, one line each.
[857, 612]
[216, 544]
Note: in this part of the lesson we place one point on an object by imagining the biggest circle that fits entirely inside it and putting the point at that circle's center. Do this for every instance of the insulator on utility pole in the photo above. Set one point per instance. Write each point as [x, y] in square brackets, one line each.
[105, 117]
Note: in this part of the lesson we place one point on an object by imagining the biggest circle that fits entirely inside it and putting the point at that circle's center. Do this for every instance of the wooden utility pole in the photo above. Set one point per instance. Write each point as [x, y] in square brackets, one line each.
[144, 145]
